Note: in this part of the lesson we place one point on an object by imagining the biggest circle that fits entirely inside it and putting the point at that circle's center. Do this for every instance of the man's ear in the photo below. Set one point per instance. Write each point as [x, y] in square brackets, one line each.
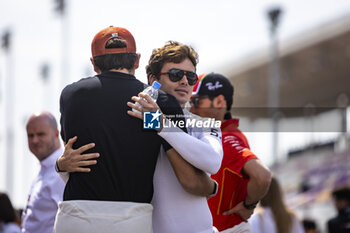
[219, 102]
[96, 69]
[151, 79]
[137, 62]
[57, 133]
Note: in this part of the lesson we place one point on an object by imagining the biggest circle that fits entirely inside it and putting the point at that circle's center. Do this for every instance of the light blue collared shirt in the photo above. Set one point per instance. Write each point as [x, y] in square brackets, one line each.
[45, 193]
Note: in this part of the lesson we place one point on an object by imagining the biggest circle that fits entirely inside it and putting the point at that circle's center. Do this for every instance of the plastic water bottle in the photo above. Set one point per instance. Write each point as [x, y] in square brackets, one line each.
[152, 91]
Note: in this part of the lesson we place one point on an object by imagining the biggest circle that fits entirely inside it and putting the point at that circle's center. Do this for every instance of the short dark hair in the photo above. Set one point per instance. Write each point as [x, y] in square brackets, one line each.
[172, 51]
[342, 193]
[115, 61]
[309, 224]
[7, 212]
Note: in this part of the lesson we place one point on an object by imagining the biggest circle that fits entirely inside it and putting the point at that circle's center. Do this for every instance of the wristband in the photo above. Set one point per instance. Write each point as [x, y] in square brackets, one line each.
[215, 191]
[166, 145]
[250, 206]
[57, 168]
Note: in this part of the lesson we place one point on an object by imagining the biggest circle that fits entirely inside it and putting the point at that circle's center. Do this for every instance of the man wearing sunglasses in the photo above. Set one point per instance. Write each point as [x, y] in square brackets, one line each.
[193, 155]
[181, 185]
[242, 178]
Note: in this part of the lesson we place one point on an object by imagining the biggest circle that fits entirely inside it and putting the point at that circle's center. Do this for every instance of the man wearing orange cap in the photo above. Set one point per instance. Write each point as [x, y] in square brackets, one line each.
[115, 196]
[243, 180]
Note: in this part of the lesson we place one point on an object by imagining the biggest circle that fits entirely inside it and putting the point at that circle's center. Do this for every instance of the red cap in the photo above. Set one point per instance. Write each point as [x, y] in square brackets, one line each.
[98, 45]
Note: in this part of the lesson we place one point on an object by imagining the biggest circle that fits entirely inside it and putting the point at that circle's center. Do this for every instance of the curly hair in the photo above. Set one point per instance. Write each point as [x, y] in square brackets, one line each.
[172, 51]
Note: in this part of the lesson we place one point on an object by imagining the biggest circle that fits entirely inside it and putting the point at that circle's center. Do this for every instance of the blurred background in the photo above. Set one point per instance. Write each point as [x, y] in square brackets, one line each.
[288, 60]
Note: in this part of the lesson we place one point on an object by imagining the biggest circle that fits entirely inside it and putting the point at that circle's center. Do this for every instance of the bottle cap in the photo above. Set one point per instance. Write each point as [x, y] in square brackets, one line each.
[156, 85]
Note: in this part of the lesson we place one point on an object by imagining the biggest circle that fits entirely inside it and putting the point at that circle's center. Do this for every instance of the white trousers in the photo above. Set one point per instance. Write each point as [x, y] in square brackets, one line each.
[243, 227]
[103, 216]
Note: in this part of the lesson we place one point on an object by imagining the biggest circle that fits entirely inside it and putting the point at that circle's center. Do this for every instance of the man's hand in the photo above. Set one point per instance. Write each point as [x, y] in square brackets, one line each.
[147, 104]
[240, 210]
[73, 160]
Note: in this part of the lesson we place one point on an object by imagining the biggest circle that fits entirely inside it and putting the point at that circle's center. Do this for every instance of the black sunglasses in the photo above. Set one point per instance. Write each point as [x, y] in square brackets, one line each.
[196, 98]
[176, 75]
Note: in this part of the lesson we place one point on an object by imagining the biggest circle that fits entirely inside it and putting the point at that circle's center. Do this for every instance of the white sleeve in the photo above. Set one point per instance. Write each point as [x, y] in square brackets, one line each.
[204, 152]
[64, 176]
[255, 223]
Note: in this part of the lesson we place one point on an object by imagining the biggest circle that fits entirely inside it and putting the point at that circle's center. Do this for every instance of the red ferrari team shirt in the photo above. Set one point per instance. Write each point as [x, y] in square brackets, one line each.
[231, 180]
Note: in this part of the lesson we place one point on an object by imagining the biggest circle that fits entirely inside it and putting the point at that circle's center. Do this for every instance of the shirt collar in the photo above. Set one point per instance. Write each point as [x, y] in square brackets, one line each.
[116, 74]
[51, 159]
[234, 121]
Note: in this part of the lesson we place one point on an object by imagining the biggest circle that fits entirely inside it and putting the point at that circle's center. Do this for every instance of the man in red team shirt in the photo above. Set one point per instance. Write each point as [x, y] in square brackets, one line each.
[243, 180]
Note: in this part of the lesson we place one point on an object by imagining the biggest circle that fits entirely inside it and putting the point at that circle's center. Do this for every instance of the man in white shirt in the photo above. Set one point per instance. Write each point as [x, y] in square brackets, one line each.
[178, 208]
[47, 188]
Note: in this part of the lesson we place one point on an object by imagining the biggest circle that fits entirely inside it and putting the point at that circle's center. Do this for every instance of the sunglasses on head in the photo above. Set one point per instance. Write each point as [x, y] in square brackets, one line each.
[176, 75]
